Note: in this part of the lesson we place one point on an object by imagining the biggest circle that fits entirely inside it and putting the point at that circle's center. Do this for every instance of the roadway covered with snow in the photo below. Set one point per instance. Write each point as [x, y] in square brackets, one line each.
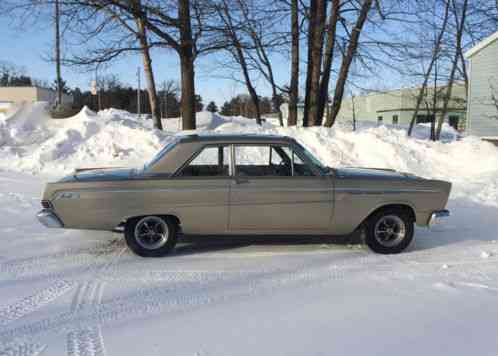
[83, 293]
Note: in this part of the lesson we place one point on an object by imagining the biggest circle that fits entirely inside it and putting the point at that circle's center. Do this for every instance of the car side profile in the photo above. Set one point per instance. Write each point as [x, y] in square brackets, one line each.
[243, 184]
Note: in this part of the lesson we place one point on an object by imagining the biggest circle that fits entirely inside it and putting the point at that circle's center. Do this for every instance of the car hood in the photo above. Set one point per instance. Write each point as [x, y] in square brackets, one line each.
[100, 174]
[373, 173]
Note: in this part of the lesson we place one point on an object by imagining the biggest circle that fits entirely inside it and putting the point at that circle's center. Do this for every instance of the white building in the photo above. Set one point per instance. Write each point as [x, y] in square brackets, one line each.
[482, 109]
[397, 107]
[16, 95]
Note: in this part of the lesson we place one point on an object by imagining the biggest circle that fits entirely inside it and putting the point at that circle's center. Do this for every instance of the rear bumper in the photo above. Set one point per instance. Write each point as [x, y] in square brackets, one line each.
[437, 217]
[49, 219]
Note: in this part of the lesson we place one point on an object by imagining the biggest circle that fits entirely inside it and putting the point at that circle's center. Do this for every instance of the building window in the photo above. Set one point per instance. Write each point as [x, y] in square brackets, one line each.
[395, 119]
[379, 120]
[425, 118]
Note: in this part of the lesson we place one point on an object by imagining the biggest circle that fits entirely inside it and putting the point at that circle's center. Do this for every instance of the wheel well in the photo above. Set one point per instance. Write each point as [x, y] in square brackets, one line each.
[167, 216]
[408, 209]
[172, 217]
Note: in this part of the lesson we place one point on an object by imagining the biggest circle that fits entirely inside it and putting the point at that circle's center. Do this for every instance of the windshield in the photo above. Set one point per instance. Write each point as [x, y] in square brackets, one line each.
[161, 153]
[313, 159]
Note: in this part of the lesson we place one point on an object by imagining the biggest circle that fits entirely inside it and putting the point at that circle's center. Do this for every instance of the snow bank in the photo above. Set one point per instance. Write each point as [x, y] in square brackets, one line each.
[30, 141]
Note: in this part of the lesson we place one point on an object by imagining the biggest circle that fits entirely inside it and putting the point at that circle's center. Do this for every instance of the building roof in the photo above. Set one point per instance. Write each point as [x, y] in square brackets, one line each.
[481, 45]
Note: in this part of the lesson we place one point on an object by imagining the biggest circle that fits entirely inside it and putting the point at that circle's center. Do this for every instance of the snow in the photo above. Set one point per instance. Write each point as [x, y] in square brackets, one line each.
[66, 292]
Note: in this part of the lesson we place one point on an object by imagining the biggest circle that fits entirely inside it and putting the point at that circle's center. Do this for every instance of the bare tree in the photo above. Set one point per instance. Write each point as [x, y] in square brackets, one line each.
[236, 48]
[460, 22]
[141, 34]
[294, 74]
[346, 62]
[169, 89]
[329, 56]
[434, 57]
[256, 23]
[316, 25]
[182, 26]
[58, 52]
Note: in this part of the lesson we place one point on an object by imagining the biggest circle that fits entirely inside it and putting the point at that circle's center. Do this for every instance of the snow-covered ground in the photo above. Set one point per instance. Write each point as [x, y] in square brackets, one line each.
[83, 293]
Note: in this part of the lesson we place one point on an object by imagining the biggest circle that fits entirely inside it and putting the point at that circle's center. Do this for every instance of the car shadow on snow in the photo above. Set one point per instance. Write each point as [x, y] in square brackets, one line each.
[195, 244]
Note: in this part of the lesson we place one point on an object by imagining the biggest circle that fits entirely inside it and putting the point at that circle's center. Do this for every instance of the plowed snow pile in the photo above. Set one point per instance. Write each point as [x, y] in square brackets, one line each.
[31, 142]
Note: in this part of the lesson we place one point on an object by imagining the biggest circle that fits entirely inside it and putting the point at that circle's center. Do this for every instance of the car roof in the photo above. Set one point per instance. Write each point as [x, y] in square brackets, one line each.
[234, 138]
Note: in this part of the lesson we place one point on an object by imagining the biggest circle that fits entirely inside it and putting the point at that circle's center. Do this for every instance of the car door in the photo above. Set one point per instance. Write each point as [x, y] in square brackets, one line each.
[274, 191]
[201, 191]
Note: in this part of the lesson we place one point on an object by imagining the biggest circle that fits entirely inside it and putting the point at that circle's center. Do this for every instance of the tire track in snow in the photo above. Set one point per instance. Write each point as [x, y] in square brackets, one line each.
[87, 341]
[21, 349]
[165, 298]
[46, 266]
[34, 302]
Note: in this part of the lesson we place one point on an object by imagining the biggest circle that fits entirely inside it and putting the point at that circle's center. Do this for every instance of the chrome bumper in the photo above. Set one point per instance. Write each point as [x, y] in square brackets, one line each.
[437, 217]
[49, 219]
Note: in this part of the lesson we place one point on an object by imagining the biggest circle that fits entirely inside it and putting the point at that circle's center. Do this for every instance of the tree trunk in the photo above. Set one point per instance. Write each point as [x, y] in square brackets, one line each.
[309, 65]
[149, 76]
[435, 54]
[187, 102]
[447, 97]
[315, 52]
[329, 57]
[294, 80]
[58, 53]
[317, 65]
[187, 106]
[346, 63]
[247, 78]
[276, 103]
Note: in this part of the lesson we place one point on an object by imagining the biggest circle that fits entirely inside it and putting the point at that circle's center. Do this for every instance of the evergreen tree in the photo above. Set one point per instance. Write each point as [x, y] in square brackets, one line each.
[212, 107]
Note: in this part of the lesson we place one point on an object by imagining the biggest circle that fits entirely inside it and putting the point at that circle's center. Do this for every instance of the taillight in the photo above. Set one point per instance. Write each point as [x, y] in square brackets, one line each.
[46, 204]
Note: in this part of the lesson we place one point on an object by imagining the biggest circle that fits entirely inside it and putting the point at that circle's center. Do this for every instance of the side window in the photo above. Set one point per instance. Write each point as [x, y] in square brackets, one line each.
[269, 161]
[262, 161]
[301, 168]
[212, 161]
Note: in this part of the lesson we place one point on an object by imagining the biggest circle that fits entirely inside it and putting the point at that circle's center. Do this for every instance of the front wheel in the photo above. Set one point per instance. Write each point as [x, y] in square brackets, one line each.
[389, 231]
[151, 236]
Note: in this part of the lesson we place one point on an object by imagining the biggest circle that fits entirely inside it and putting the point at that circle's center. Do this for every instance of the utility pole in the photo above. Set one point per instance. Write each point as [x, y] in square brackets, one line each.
[97, 88]
[58, 54]
[138, 92]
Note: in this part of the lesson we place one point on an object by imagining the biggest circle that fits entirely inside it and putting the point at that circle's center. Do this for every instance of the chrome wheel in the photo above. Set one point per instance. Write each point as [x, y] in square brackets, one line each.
[151, 232]
[389, 230]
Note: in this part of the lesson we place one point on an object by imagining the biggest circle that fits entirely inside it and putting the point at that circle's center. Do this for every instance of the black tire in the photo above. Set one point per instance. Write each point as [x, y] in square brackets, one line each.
[389, 242]
[163, 248]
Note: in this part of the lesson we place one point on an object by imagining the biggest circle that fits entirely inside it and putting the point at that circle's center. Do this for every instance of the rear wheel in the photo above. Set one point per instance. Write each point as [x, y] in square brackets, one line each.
[389, 231]
[151, 236]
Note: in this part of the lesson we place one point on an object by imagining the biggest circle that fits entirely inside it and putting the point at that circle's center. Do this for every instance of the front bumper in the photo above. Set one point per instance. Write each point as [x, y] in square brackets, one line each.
[48, 218]
[437, 217]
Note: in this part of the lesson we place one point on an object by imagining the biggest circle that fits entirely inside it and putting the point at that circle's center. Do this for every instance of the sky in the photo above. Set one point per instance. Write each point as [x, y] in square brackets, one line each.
[30, 46]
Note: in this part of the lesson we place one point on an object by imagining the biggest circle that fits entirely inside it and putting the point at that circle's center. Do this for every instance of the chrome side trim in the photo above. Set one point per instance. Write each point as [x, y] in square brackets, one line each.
[353, 191]
[374, 191]
[49, 219]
